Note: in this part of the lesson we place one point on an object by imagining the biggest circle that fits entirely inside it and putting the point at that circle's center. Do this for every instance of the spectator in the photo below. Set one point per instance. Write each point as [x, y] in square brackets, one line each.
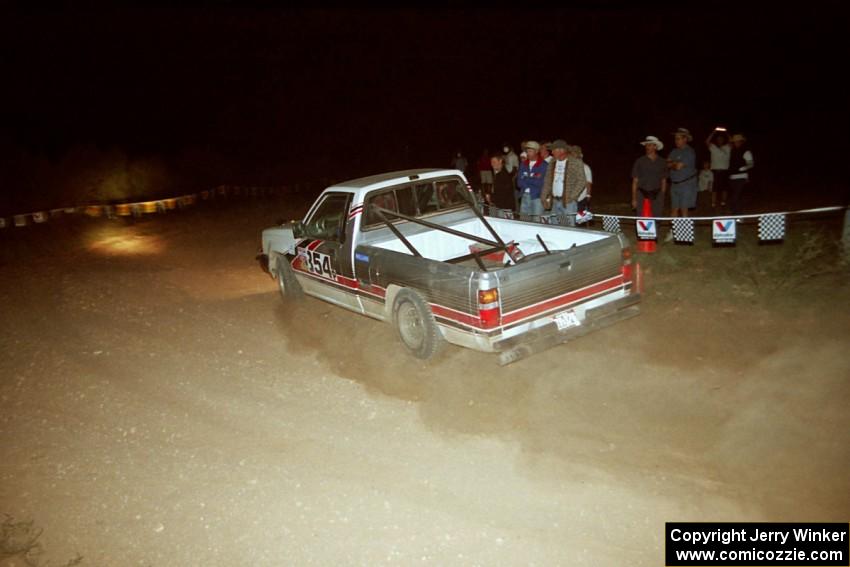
[740, 163]
[649, 176]
[502, 195]
[459, 162]
[511, 160]
[545, 152]
[532, 173]
[565, 181]
[682, 163]
[485, 174]
[512, 167]
[522, 157]
[584, 197]
[719, 148]
[706, 177]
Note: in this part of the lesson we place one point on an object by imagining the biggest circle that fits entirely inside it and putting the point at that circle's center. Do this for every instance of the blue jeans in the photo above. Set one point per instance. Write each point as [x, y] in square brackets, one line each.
[529, 206]
[566, 213]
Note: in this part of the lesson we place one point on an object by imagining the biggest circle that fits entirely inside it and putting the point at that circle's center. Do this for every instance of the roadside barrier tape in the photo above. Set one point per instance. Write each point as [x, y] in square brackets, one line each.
[509, 213]
[771, 227]
[138, 208]
[729, 217]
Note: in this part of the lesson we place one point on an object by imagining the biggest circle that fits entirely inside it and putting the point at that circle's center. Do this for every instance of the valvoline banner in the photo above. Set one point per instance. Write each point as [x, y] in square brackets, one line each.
[647, 229]
[723, 230]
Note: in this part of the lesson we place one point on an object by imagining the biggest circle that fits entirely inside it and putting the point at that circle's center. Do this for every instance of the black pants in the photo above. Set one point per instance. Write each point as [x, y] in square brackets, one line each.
[721, 180]
[655, 198]
[736, 194]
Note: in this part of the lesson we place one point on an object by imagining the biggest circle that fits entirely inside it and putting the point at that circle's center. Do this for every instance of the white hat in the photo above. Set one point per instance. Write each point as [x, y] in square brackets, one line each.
[532, 145]
[683, 132]
[659, 145]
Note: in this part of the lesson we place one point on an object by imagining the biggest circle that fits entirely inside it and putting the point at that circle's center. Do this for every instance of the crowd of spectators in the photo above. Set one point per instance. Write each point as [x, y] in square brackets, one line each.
[552, 177]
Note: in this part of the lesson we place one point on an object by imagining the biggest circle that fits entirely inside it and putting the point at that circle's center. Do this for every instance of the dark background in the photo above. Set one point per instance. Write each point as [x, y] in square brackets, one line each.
[223, 93]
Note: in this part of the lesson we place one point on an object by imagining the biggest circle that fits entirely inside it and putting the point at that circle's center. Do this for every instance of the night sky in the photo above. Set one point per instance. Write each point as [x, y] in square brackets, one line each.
[278, 94]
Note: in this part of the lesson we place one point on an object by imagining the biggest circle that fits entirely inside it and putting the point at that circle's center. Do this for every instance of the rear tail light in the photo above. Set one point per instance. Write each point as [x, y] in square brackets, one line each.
[488, 308]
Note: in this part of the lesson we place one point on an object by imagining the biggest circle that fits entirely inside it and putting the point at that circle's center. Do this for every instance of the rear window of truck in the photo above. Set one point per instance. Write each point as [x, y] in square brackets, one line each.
[416, 200]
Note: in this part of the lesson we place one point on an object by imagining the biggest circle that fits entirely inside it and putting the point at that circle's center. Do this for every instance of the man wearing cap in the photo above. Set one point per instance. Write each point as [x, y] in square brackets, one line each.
[564, 183]
[511, 160]
[684, 177]
[532, 172]
[649, 176]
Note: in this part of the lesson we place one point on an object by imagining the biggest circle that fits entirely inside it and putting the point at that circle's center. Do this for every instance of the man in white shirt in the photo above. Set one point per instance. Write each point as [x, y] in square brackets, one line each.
[720, 150]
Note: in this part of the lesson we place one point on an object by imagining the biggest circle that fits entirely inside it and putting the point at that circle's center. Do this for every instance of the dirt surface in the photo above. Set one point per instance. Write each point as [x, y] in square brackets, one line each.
[160, 405]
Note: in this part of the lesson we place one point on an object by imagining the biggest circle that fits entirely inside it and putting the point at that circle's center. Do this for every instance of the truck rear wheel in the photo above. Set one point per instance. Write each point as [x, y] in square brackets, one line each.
[286, 282]
[415, 325]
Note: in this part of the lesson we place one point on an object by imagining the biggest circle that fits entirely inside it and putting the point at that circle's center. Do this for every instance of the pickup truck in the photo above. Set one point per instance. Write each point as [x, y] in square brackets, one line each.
[412, 248]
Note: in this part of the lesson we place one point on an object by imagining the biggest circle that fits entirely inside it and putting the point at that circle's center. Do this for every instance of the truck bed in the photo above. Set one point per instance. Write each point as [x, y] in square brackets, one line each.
[445, 247]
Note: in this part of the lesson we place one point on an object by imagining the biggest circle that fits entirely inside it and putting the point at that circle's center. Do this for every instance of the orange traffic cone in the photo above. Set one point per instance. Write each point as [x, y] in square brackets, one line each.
[647, 246]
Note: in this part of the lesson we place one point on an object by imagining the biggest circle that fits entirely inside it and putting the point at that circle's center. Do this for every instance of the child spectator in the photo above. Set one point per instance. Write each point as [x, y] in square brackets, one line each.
[706, 177]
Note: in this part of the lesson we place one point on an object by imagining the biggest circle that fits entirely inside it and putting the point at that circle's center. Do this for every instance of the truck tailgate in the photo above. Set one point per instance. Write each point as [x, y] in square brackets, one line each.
[533, 286]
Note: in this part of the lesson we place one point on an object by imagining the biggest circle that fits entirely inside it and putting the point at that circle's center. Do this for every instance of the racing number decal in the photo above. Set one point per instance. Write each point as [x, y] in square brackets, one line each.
[317, 263]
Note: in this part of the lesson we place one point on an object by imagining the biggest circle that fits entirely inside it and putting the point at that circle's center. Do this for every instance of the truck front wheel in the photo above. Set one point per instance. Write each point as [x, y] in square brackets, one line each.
[415, 325]
[286, 282]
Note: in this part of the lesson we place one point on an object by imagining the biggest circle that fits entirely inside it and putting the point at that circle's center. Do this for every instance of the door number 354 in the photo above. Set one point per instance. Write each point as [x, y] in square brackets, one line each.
[317, 263]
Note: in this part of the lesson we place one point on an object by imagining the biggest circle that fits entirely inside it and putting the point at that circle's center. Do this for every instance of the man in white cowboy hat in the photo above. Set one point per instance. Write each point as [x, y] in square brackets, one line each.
[649, 176]
[684, 177]
[740, 163]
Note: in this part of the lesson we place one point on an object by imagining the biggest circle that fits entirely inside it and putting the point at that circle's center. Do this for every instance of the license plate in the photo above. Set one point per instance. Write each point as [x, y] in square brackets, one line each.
[566, 319]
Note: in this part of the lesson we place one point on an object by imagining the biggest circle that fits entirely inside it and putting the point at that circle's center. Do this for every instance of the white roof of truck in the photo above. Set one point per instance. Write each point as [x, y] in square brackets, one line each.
[393, 178]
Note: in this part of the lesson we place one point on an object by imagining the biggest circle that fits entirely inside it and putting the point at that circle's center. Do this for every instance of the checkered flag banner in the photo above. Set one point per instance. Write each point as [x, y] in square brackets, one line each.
[610, 224]
[683, 230]
[772, 227]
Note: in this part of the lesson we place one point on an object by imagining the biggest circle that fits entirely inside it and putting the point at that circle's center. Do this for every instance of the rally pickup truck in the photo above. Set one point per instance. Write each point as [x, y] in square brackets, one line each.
[412, 248]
